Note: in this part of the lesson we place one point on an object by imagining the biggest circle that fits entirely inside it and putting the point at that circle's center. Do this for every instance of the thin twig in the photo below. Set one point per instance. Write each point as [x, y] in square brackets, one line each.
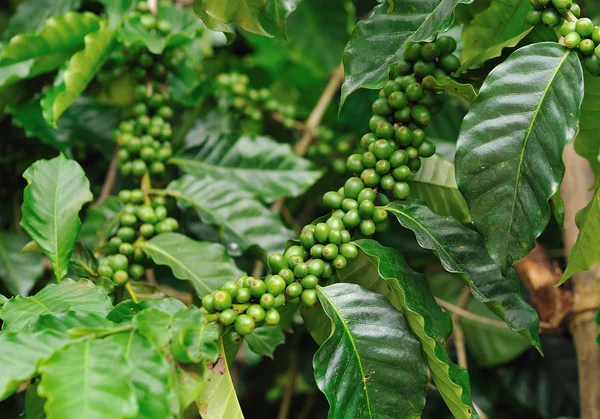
[258, 269]
[276, 116]
[308, 405]
[286, 401]
[109, 181]
[153, 6]
[459, 336]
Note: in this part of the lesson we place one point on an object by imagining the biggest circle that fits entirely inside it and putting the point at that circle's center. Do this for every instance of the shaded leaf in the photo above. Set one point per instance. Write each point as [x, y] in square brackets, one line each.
[509, 156]
[408, 292]
[18, 271]
[380, 40]
[452, 86]
[372, 365]
[586, 143]
[216, 14]
[265, 339]
[101, 222]
[29, 55]
[242, 219]
[558, 208]
[21, 354]
[584, 254]
[193, 339]
[435, 183]
[56, 190]
[276, 13]
[31, 15]
[79, 383]
[83, 262]
[80, 71]
[461, 251]
[83, 296]
[317, 323]
[257, 164]
[206, 265]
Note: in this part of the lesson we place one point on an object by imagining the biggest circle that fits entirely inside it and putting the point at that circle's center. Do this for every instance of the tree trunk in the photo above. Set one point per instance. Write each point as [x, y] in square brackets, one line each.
[576, 193]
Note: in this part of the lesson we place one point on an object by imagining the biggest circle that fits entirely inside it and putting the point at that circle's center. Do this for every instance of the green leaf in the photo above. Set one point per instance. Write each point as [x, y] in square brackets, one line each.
[18, 271]
[194, 339]
[31, 15]
[56, 190]
[101, 222]
[372, 365]
[155, 325]
[218, 399]
[184, 29]
[503, 20]
[83, 262]
[558, 208]
[79, 382]
[83, 296]
[265, 339]
[206, 265]
[584, 253]
[586, 143]
[21, 354]
[452, 86]
[257, 164]
[80, 71]
[408, 292]
[34, 404]
[509, 156]
[29, 55]
[71, 320]
[491, 52]
[125, 311]
[317, 323]
[150, 376]
[276, 13]
[117, 10]
[216, 14]
[380, 40]
[242, 219]
[435, 184]
[462, 251]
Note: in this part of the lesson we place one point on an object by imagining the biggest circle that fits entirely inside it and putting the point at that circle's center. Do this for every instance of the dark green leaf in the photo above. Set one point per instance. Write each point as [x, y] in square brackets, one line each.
[31, 15]
[83, 296]
[584, 255]
[18, 271]
[21, 354]
[83, 262]
[408, 292]
[101, 222]
[372, 365]
[435, 183]
[56, 191]
[34, 404]
[265, 339]
[79, 382]
[276, 13]
[586, 143]
[243, 220]
[206, 265]
[257, 164]
[216, 14]
[461, 251]
[317, 323]
[509, 156]
[381, 39]
[29, 55]
[558, 208]
[80, 71]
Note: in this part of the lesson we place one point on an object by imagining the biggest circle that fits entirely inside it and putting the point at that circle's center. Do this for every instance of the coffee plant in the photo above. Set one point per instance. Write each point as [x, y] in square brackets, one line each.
[192, 228]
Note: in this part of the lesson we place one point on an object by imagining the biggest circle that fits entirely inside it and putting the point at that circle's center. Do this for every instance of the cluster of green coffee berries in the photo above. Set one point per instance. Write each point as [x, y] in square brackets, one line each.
[236, 95]
[141, 218]
[551, 12]
[149, 21]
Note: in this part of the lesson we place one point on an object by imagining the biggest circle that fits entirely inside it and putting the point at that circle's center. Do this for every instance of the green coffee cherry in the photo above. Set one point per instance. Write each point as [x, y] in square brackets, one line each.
[294, 290]
[272, 317]
[221, 300]
[244, 324]
[309, 298]
[257, 287]
[227, 317]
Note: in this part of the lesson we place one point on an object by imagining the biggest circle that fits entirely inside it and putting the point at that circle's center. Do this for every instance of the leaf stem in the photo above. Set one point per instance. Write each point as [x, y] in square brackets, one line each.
[129, 289]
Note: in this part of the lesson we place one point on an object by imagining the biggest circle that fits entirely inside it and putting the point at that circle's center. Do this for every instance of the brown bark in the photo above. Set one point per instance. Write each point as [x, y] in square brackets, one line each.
[576, 193]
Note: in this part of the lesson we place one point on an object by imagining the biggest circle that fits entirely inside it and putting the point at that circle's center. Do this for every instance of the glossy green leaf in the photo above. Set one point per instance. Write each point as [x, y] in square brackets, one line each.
[79, 383]
[242, 220]
[435, 183]
[80, 71]
[206, 265]
[265, 339]
[31, 15]
[150, 376]
[56, 191]
[584, 254]
[29, 55]
[184, 27]
[408, 292]
[83, 296]
[217, 14]
[218, 399]
[18, 271]
[509, 156]
[503, 20]
[381, 39]
[193, 340]
[461, 251]
[586, 143]
[260, 165]
[276, 13]
[101, 222]
[372, 365]
[452, 86]
[492, 52]
[21, 354]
